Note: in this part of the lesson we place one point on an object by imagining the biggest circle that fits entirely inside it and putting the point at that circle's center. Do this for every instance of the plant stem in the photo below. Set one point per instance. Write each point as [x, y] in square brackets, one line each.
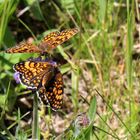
[35, 118]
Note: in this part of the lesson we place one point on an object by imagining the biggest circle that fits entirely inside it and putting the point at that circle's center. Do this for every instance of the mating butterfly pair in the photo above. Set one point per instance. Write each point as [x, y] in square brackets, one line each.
[43, 75]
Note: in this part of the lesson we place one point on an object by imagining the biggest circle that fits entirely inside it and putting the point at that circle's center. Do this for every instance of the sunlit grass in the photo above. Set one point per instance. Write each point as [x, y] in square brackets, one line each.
[6, 10]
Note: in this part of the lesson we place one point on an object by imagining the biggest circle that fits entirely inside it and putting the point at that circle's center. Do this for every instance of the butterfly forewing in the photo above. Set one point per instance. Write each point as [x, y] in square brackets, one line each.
[51, 36]
[24, 47]
[34, 74]
[61, 37]
[53, 92]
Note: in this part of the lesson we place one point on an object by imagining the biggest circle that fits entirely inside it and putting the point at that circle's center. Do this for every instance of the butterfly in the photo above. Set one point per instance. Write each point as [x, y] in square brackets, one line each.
[52, 94]
[35, 73]
[43, 76]
[50, 42]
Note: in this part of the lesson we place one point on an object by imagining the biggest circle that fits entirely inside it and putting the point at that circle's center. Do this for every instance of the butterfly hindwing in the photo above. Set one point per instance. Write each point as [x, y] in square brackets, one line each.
[53, 92]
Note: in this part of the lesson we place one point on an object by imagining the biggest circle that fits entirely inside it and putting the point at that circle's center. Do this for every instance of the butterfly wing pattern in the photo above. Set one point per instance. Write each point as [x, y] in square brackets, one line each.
[43, 76]
[23, 47]
[50, 42]
[35, 74]
[51, 36]
[56, 38]
[53, 93]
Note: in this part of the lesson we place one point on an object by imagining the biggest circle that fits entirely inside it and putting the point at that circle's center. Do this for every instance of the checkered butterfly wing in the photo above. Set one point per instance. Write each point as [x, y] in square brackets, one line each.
[52, 94]
[24, 47]
[58, 38]
[34, 74]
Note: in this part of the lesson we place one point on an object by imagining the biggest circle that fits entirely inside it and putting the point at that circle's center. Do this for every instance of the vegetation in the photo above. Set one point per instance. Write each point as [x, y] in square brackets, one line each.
[100, 67]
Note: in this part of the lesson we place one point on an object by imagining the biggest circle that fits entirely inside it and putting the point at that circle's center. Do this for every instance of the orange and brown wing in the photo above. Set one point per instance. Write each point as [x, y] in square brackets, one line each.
[54, 39]
[50, 37]
[34, 74]
[52, 94]
[44, 45]
[62, 37]
[24, 47]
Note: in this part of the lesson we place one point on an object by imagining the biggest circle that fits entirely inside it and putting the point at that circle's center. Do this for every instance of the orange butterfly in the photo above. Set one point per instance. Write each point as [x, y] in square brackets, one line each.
[50, 42]
[43, 76]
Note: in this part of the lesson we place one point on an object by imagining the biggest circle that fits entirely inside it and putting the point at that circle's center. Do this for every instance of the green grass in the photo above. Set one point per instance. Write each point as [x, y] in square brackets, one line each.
[101, 78]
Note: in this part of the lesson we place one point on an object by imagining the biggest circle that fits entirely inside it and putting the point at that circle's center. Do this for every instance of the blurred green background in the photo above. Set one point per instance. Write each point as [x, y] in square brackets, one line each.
[100, 67]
